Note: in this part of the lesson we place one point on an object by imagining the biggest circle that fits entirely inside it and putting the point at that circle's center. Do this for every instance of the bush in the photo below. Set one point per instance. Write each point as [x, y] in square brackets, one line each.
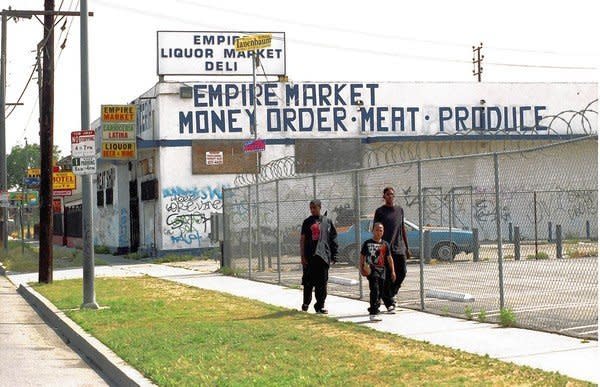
[507, 318]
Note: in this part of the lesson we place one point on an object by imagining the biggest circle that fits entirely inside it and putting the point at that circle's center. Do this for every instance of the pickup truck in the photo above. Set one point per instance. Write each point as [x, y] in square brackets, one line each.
[445, 245]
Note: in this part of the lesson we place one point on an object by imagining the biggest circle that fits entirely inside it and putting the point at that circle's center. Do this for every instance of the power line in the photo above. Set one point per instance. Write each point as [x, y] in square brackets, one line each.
[343, 48]
[33, 71]
[24, 135]
[368, 33]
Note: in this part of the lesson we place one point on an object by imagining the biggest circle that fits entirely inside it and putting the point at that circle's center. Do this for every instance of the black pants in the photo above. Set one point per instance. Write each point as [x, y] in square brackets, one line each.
[391, 288]
[316, 275]
[376, 287]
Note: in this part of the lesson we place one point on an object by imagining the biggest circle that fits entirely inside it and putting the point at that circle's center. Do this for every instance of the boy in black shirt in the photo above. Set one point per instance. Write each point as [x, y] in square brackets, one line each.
[373, 256]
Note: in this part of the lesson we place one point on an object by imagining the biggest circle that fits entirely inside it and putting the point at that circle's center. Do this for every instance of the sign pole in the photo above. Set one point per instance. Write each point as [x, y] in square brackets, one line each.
[89, 294]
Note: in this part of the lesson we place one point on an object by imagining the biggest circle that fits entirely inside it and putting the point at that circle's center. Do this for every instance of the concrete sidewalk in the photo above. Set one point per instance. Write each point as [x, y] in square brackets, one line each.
[550, 352]
[31, 353]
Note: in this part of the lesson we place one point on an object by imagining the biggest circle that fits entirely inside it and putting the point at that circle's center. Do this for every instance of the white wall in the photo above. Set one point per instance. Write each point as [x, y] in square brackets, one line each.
[186, 200]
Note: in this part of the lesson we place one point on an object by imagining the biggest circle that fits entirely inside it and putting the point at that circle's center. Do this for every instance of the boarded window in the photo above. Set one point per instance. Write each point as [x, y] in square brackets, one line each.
[222, 156]
[327, 155]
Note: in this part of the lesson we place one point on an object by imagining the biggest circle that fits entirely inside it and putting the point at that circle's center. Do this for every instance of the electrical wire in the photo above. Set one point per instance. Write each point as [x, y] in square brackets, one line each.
[139, 11]
[367, 33]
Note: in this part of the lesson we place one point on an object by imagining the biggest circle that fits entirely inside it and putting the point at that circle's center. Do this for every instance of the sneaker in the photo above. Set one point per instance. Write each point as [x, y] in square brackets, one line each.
[321, 311]
[391, 309]
[374, 317]
[304, 307]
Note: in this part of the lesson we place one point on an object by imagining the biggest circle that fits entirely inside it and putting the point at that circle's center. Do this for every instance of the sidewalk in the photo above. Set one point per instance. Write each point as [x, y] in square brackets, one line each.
[550, 352]
[31, 353]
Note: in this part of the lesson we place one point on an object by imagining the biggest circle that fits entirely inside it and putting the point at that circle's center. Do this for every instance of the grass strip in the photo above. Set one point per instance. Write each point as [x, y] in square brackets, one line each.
[178, 335]
[27, 261]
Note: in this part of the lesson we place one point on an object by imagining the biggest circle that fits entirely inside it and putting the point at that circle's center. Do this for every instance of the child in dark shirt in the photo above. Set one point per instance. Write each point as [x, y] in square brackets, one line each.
[374, 254]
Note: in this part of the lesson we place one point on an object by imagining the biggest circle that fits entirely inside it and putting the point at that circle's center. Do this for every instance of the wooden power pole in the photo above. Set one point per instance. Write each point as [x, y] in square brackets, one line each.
[46, 146]
[477, 60]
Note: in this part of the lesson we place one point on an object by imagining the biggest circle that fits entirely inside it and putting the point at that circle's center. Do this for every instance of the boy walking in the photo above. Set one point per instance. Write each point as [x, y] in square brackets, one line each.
[318, 250]
[392, 218]
[374, 254]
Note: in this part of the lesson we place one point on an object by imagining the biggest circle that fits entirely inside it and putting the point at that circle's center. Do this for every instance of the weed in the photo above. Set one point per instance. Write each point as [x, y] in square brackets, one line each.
[507, 318]
[101, 249]
[469, 312]
[446, 310]
[136, 256]
[482, 315]
[539, 255]
[175, 258]
[581, 253]
[233, 272]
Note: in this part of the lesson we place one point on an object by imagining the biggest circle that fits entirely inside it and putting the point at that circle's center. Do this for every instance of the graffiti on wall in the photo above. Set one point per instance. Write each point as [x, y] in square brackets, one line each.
[187, 213]
[123, 229]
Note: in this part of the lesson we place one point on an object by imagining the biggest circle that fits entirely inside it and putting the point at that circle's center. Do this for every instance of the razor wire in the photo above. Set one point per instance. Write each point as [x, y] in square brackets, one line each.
[559, 127]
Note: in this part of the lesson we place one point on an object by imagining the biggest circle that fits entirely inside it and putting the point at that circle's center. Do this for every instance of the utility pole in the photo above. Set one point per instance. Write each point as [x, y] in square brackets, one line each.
[89, 293]
[477, 60]
[46, 127]
[46, 145]
[3, 179]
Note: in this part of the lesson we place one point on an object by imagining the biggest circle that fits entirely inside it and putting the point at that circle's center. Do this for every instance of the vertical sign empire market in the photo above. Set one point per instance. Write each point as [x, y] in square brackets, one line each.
[118, 132]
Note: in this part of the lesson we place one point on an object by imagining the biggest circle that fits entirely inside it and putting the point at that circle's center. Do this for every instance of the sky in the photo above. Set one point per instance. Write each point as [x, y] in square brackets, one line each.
[417, 41]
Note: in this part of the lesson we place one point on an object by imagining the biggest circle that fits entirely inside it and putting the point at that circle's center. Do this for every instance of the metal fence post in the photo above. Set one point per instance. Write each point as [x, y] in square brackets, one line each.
[450, 214]
[225, 250]
[421, 239]
[517, 243]
[261, 259]
[510, 232]
[278, 233]
[549, 231]
[499, 232]
[427, 246]
[559, 246]
[587, 230]
[249, 232]
[475, 244]
[314, 181]
[535, 222]
[357, 228]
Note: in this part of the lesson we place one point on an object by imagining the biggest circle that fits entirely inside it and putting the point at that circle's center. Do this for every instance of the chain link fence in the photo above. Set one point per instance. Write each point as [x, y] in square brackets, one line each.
[507, 237]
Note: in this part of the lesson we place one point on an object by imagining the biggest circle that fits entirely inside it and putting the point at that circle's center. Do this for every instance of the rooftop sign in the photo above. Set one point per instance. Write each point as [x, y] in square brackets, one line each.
[217, 53]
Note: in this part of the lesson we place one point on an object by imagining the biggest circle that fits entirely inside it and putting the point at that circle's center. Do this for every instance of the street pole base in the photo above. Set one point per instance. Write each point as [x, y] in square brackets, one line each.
[90, 305]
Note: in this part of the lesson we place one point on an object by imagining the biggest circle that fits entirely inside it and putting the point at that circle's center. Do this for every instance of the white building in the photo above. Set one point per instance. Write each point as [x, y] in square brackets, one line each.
[190, 139]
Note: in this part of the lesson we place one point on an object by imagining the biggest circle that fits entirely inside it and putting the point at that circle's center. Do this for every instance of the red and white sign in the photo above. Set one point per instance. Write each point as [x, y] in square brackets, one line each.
[83, 152]
[62, 192]
[255, 146]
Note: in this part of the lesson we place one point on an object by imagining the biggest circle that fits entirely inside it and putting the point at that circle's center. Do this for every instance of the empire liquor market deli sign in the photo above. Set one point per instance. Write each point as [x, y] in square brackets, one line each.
[214, 53]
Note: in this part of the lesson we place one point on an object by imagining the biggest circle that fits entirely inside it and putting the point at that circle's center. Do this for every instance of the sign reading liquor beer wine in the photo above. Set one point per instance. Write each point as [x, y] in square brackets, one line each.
[118, 132]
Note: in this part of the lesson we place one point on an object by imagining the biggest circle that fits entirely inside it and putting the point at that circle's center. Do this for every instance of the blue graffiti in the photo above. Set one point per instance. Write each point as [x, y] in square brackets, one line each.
[123, 228]
[187, 238]
[202, 193]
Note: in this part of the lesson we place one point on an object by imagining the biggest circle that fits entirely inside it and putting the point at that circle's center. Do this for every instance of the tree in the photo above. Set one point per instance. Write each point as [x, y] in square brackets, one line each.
[22, 158]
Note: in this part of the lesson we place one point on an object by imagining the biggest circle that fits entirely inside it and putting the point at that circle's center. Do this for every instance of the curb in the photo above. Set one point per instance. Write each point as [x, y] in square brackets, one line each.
[112, 366]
